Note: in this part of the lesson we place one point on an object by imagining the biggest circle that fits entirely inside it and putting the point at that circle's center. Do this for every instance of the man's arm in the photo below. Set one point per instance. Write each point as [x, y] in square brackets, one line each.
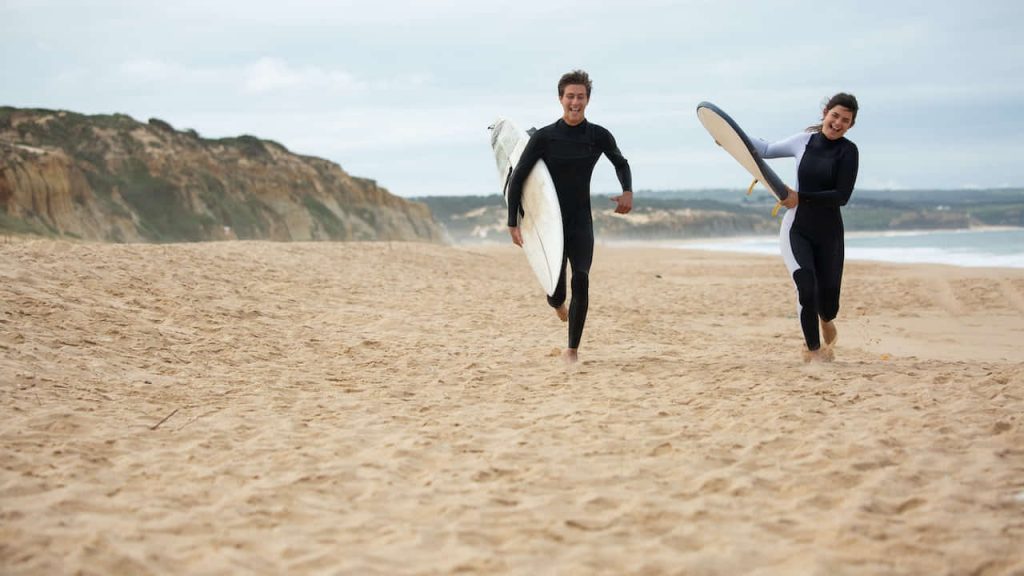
[623, 202]
[531, 154]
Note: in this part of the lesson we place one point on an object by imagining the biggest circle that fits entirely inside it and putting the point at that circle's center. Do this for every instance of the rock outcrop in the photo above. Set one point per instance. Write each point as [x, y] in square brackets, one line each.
[111, 178]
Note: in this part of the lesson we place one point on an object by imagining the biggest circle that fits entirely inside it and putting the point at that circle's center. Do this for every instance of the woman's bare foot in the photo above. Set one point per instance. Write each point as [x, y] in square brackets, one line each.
[563, 313]
[570, 356]
[819, 355]
[829, 332]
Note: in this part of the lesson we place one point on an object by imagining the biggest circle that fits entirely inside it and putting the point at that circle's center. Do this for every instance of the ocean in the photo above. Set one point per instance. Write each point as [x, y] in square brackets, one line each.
[1002, 247]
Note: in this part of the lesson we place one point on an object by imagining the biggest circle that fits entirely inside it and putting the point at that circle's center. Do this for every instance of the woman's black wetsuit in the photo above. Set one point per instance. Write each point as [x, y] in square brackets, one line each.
[570, 152]
[811, 236]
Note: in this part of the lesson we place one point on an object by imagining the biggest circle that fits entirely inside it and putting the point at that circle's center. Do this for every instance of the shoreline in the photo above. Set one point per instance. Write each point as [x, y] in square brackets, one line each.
[767, 245]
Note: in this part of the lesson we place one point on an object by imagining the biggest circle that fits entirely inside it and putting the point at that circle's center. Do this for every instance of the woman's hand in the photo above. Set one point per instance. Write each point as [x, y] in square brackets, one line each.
[792, 199]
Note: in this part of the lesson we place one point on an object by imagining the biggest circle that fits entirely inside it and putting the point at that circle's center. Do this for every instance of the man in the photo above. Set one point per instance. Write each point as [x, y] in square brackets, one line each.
[571, 148]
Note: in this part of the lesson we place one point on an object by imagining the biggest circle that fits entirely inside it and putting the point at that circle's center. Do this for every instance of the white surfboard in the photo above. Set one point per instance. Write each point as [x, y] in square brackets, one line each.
[731, 137]
[541, 220]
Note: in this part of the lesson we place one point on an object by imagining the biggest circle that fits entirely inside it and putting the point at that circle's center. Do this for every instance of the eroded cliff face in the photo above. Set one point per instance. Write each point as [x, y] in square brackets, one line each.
[111, 178]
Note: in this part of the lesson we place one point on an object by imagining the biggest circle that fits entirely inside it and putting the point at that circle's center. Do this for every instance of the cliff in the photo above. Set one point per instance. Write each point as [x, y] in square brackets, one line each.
[111, 178]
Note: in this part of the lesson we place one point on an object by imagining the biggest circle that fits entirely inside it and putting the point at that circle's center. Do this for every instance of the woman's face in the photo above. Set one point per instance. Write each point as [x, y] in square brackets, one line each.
[574, 102]
[836, 121]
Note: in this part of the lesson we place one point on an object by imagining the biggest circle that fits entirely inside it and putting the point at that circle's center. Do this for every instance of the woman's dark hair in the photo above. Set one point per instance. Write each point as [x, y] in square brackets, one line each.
[848, 101]
[574, 77]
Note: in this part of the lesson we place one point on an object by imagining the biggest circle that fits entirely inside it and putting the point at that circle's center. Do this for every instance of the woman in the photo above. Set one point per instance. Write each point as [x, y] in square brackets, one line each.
[811, 237]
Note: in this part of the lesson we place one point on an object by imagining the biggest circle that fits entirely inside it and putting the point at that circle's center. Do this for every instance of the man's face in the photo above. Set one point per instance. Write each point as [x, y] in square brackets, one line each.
[574, 102]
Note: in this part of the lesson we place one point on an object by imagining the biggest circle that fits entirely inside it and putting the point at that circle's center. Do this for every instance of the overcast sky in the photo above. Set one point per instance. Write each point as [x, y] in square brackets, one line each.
[402, 91]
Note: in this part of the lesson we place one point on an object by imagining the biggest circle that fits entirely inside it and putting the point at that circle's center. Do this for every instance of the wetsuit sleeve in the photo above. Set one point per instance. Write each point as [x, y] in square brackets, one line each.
[531, 154]
[783, 148]
[622, 171]
[846, 177]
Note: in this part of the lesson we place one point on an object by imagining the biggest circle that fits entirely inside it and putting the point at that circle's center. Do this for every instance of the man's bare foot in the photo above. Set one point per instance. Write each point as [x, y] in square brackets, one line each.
[819, 355]
[829, 332]
[570, 356]
[563, 313]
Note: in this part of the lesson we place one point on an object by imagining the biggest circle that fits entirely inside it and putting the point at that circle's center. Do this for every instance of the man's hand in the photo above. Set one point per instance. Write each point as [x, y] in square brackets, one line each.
[516, 234]
[624, 202]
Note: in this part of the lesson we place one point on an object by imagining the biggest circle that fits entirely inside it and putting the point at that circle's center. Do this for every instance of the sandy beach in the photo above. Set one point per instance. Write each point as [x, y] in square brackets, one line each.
[331, 408]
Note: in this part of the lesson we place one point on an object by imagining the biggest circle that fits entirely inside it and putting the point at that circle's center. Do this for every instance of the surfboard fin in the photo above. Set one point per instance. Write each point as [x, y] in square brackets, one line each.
[775, 210]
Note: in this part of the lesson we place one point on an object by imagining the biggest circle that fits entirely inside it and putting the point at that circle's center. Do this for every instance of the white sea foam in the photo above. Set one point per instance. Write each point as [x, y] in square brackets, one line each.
[1003, 248]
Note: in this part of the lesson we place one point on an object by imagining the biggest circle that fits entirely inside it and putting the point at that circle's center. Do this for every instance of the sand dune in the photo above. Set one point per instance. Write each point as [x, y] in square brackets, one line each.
[396, 409]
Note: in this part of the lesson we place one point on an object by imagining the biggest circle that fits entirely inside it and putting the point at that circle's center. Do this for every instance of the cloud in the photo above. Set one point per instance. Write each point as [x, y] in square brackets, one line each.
[275, 74]
[262, 76]
[402, 90]
[149, 71]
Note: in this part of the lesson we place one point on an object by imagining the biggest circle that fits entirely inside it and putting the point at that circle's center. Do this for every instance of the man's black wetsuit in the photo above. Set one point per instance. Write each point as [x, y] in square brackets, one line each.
[811, 236]
[570, 152]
